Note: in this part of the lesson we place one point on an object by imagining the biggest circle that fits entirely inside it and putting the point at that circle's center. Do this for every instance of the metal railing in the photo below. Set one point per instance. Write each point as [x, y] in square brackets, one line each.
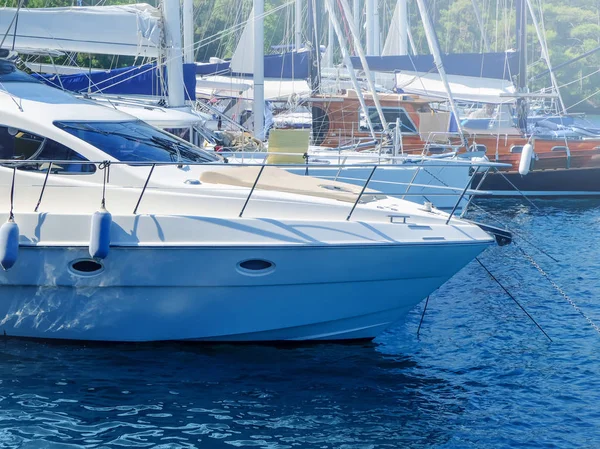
[461, 192]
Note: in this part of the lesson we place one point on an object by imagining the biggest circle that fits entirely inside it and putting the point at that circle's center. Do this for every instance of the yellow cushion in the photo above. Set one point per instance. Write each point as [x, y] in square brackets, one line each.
[292, 142]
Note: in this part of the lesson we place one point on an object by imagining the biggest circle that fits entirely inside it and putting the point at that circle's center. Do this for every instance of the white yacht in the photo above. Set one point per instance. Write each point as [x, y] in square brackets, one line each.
[195, 249]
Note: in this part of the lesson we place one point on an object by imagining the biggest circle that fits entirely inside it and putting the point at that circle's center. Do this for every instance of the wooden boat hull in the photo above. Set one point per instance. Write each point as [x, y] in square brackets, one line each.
[557, 182]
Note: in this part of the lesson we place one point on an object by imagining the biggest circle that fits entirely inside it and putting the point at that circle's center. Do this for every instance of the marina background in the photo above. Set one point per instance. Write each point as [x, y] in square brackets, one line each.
[570, 29]
[480, 375]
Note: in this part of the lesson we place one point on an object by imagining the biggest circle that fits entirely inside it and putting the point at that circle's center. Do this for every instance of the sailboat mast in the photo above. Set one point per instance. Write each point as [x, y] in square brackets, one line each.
[330, 42]
[363, 60]
[376, 30]
[298, 25]
[486, 43]
[521, 28]
[546, 56]
[258, 106]
[341, 37]
[188, 31]
[174, 56]
[369, 25]
[314, 11]
[356, 12]
[314, 72]
[434, 47]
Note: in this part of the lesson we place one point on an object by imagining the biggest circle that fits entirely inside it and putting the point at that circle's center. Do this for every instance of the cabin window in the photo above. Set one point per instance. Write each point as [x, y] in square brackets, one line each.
[478, 147]
[320, 126]
[136, 141]
[182, 133]
[391, 115]
[516, 149]
[436, 149]
[20, 145]
[561, 148]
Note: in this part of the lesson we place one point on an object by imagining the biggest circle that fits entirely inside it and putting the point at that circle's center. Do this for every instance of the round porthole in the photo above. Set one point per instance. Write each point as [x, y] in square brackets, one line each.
[86, 267]
[255, 267]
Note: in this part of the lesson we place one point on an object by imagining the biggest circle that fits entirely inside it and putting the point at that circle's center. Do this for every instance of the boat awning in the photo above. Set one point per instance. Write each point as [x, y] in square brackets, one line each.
[137, 80]
[465, 88]
[132, 30]
[477, 65]
[226, 86]
[40, 67]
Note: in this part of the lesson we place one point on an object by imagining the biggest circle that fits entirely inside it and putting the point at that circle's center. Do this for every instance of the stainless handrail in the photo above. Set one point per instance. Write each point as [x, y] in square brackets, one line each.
[361, 193]
[43, 188]
[251, 190]
[144, 189]
[9, 164]
[218, 164]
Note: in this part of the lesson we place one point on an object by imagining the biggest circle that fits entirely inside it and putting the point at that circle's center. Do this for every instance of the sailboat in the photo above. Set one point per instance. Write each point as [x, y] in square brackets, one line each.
[562, 160]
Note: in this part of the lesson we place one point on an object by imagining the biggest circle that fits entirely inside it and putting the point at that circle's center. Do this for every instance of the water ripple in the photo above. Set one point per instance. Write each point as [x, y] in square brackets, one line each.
[480, 375]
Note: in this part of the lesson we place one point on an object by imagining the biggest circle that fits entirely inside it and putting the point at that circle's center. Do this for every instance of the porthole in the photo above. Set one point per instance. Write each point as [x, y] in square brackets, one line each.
[478, 147]
[516, 149]
[434, 149]
[86, 267]
[255, 267]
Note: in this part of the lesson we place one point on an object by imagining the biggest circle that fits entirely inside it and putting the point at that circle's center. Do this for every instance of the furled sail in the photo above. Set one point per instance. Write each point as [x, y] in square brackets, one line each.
[465, 88]
[132, 30]
[147, 80]
[397, 39]
[478, 77]
[290, 65]
[481, 65]
[242, 60]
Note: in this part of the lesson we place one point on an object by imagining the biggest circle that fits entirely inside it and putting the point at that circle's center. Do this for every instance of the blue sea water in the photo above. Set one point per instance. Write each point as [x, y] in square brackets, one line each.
[480, 375]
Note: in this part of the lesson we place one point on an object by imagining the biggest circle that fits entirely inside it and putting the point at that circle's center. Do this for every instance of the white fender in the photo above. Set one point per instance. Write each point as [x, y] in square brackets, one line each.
[9, 244]
[100, 234]
[526, 157]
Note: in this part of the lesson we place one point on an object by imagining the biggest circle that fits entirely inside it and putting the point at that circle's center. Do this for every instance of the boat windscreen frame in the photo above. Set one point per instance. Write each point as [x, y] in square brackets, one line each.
[135, 141]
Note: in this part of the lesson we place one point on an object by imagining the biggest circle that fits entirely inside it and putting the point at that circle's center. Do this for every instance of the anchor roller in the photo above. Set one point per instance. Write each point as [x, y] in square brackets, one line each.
[9, 244]
[100, 234]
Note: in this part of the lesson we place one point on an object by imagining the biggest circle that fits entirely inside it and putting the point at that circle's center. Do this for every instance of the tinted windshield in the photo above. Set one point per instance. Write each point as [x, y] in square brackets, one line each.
[9, 72]
[136, 141]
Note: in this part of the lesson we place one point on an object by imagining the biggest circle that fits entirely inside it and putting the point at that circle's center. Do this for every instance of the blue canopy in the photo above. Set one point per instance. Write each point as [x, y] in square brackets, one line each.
[480, 65]
[290, 65]
[138, 80]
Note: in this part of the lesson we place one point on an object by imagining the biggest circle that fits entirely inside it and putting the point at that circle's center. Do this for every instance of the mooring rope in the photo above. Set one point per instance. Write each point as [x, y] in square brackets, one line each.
[105, 179]
[422, 316]
[512, 297]
[558, 289]
[11, 216]
[512, 230]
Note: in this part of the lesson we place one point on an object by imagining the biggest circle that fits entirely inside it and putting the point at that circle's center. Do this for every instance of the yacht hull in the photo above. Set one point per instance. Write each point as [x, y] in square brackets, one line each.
[160, 294]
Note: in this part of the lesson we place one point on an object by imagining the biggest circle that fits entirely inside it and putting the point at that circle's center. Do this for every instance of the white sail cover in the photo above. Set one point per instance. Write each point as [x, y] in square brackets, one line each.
[465, 88]
[132, 30]
[242, 60]
[397, 39]
[226, 86]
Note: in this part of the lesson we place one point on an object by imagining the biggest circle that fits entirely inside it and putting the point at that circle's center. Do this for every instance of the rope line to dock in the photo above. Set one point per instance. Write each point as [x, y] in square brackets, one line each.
[559, 290]
[513, 298]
